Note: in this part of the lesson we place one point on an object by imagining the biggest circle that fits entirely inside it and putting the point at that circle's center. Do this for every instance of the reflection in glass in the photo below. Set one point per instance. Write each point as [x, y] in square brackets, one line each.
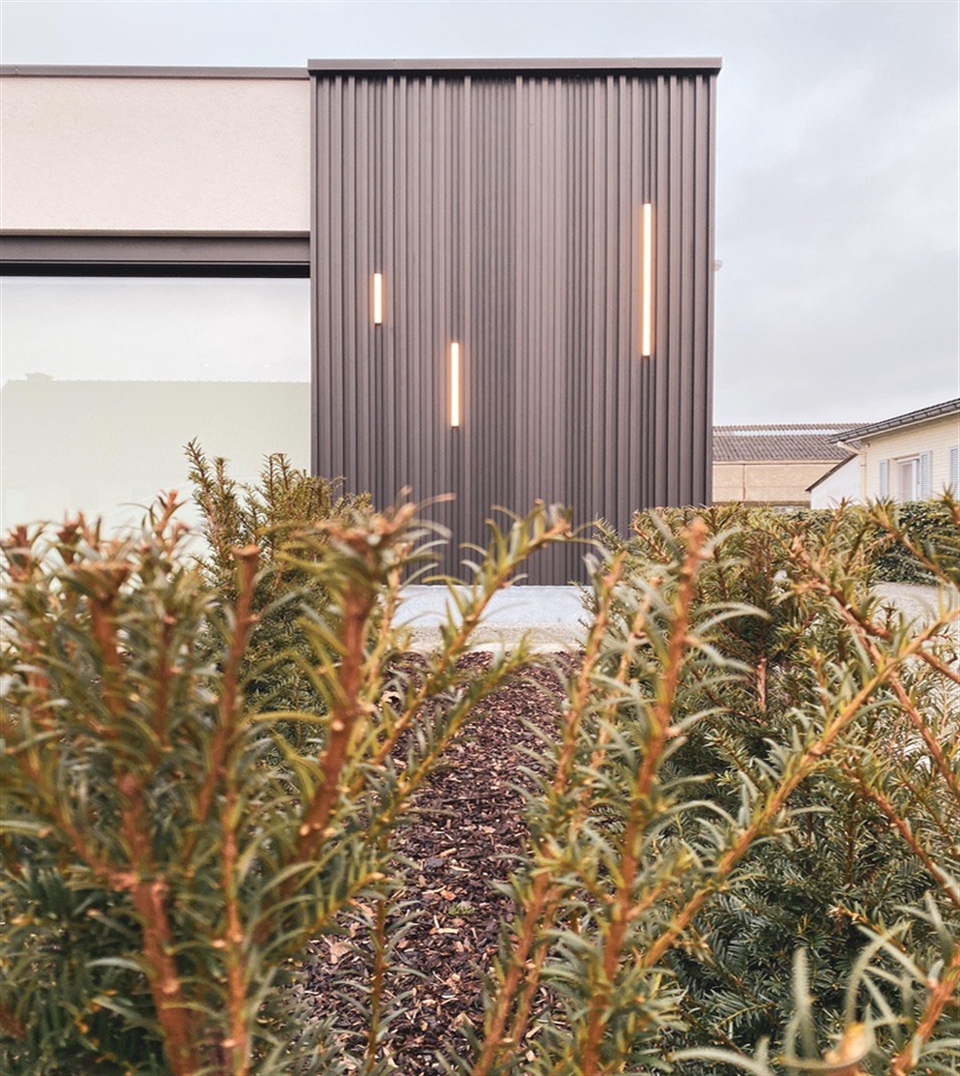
[106, 379]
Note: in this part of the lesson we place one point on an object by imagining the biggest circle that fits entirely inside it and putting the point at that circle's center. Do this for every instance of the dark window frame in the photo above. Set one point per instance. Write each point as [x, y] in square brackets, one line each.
[265, 256]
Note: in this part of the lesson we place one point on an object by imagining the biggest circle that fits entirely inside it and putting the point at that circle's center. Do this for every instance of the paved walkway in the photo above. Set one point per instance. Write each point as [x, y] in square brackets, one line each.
[551, 616]
[918, 602]
[555, 620]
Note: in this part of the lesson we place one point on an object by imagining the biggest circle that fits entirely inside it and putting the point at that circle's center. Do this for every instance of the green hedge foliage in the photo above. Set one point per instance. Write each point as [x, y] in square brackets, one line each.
[743, 841]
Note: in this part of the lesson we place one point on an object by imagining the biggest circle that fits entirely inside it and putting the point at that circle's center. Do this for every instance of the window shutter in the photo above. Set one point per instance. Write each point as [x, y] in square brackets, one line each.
[955, 470]
[884, 490]
[926, 475]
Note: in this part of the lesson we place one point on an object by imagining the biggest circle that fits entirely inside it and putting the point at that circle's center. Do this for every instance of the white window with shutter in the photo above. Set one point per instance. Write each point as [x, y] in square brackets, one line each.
[883, 485]
[926, 476]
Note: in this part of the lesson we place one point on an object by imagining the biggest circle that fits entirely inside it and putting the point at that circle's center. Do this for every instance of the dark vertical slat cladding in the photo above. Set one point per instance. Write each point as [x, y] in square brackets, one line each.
[709, 225]
[504, 209]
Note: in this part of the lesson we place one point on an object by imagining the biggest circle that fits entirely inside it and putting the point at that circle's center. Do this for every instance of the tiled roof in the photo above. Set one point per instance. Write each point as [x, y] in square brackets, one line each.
[799, 441]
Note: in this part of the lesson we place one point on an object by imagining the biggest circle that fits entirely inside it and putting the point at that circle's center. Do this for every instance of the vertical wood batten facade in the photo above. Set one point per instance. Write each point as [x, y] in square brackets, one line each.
[503, 208]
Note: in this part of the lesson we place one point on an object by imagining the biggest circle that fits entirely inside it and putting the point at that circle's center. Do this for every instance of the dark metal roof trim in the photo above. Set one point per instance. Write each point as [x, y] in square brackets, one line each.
[155, 255]
[923, 414]
[499, 67]
[92, 71]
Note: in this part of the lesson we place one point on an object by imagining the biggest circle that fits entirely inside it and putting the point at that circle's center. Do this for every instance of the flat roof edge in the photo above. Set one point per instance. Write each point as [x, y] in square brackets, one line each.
[628, 65]
[91, 71]
[638, 65]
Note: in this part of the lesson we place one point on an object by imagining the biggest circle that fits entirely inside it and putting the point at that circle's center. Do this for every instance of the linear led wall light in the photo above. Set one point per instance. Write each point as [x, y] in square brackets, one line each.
[378, 298]
[455, 384]
[646, 282]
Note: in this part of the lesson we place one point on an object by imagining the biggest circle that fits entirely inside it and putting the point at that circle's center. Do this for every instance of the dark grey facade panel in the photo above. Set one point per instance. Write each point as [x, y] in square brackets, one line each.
[504, 213]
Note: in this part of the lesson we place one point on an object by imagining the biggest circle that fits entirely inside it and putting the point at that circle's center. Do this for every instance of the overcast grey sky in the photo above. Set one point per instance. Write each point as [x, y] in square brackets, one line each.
[837, 177]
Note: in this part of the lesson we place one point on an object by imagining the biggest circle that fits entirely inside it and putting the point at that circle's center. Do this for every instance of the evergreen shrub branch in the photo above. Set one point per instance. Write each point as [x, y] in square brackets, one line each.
[742, 847]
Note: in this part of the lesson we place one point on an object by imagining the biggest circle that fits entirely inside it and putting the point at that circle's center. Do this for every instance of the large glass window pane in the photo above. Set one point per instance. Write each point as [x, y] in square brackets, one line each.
[105, 380]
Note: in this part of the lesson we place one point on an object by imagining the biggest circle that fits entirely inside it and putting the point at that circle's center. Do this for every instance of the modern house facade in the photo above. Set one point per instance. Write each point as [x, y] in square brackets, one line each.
[509, 265]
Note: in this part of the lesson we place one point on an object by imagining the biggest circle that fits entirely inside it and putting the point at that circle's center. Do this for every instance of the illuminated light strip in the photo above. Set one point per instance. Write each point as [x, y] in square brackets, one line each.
[454, 384]
[646, 298]
[378, 298]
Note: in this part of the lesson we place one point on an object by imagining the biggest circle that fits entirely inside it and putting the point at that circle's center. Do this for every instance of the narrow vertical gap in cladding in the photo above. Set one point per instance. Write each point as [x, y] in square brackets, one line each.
[430, 312]
[674, 431]
[403, 290]
[524, 262]
[710, 225]
[362, 359]
[411, 373]
[483, 210]
[658, 432]
[461, 329]
[314, 267]
[320, 281]
[632, 196]
[536, 270]
[490, 426]
[437, 467]
[348, 260]
[393, 311]
[429, 463]
[616, 269]
[338, 461]
[703, 269]
[651, 373]
[416, 403]
[689, 269]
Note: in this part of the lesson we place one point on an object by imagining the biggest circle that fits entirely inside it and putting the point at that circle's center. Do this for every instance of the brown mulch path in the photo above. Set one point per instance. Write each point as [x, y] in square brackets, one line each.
[468, 829]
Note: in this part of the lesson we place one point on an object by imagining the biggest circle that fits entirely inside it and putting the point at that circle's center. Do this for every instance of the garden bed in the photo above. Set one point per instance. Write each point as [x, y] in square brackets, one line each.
[467, 832]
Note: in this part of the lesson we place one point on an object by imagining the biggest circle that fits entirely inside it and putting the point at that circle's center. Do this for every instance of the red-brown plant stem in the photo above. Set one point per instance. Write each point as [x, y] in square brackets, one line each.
[30, 768]
[935, 663]
[543, 896]
[807, 764]
[244, 620]
[218, 775]
[10, 1025]
[902, 827]
[661, 714]
[162, 680]
[104, 630]
[148, 894]
[865, 629]
[933, 746]
[943, 993]
[238, 1043]
[579, 701]
[358, 603]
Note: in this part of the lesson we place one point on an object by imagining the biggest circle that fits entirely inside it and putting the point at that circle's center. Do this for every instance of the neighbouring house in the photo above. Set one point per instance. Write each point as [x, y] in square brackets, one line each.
[773, 464]
[909, 457]
[492, 278]
[840, 484]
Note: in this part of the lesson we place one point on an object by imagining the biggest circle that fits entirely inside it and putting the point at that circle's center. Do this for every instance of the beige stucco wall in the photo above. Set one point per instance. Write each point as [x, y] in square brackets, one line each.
[154, 154]
[776, 482]
[935, 436]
